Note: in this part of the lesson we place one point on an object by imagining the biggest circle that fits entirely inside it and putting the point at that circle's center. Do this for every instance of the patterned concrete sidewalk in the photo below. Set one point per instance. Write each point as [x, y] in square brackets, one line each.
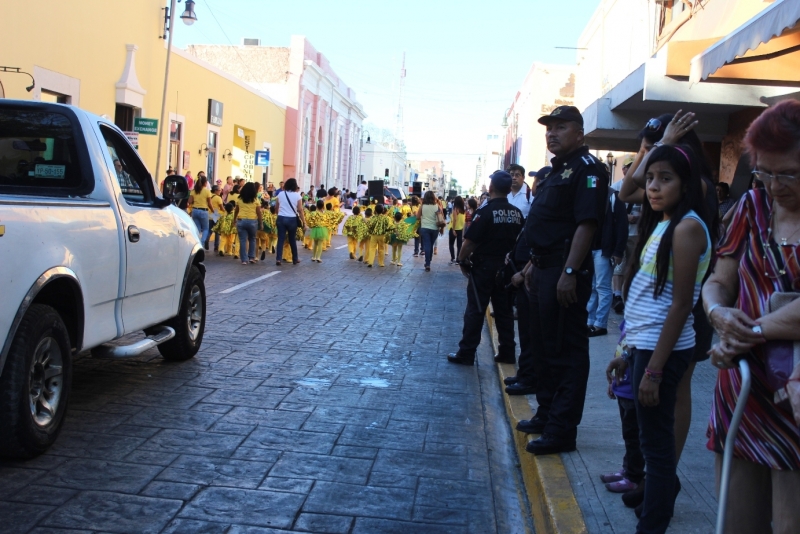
[321, 401]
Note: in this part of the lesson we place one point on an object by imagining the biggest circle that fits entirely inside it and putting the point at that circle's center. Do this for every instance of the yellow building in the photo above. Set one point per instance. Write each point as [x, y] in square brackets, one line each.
[109, 58]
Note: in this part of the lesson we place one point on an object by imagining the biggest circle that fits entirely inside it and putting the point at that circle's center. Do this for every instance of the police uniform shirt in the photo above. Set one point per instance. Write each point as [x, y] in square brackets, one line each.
[575, 191]
[494, 228]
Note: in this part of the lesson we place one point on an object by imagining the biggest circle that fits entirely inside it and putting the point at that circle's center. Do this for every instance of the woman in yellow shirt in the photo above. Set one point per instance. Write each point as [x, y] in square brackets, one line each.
[457, 220]
[200, 202]
[247, 217]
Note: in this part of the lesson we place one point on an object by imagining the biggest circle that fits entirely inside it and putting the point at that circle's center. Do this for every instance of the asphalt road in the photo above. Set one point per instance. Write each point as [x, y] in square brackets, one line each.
[321, 401]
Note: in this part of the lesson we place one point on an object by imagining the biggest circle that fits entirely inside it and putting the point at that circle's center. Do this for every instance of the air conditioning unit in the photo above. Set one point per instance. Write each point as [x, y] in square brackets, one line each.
[251, 42]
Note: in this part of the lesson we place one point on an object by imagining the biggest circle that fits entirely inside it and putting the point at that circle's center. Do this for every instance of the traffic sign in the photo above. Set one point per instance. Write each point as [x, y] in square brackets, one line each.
[145, 126]
[262, 158]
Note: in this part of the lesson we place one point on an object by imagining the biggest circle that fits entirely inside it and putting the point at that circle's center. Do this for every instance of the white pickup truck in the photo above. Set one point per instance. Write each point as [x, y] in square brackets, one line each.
[89, 252]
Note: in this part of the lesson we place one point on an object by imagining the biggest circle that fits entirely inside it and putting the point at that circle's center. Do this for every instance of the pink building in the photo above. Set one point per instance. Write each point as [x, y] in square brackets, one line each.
[323, 118]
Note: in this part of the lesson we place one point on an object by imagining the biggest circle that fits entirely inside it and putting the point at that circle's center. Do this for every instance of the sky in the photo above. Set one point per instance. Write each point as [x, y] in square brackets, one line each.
[465, 60]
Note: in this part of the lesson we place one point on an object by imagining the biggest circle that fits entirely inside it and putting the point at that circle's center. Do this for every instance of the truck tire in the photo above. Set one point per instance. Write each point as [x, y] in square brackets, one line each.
[35, 384]
[190, 322]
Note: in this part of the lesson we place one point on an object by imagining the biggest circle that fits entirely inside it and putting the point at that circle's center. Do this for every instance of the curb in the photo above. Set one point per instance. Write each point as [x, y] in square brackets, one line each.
[553, 504]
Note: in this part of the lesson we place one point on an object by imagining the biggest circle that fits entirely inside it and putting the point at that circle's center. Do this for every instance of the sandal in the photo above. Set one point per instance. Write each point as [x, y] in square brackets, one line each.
[254, 260]
[621, 486]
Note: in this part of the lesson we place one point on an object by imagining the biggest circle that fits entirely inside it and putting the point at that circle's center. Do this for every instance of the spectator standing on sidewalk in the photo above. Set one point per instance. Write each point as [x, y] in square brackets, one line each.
[520, 195]
[724, 198]
[428, 229]
[491, 235]
[633, 211]
[568, 208]
[606, 255]
[761, 244]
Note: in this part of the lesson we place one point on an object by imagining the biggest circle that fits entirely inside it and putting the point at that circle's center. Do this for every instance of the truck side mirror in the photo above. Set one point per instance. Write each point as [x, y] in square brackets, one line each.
[175, 188]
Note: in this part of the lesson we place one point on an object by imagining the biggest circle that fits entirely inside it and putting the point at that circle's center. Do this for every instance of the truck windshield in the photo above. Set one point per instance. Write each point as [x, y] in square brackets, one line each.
[37, 149]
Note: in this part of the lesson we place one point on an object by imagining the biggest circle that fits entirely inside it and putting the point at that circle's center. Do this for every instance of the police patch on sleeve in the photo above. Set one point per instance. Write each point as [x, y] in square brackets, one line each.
[591, 182]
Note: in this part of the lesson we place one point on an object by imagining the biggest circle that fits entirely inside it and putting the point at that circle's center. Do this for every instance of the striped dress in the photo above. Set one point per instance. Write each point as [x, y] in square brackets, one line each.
[645, 315]
[767, 435]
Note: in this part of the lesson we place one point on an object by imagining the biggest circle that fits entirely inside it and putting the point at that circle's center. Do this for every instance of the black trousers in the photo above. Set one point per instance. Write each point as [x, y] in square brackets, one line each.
[633, 461]
[560, 337]
[484, 275]
[657, 437]
[527, 373]
[455, 237]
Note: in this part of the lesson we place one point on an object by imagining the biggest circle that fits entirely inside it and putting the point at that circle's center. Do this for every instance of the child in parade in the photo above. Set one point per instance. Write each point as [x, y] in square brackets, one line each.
[351, 230]
[261, 232]
[318, 231]
[363, 235]
[378, 227]
[402, 231]
[271, 222]
[226, 230]
[307, 234]
[663, 284]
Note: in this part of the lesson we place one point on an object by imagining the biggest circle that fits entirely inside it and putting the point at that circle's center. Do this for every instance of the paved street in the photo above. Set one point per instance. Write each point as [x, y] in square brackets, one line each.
[320, 401]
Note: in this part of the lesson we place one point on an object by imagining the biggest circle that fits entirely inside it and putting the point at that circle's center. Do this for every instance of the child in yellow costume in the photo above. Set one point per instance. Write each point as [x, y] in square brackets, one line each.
[226, 230]
[363, 235]
[402, 231]
[307, 234]
[261, 231]
[316, 223]
[379, 226]
[332, 219]
[351, 230]
[271, 224]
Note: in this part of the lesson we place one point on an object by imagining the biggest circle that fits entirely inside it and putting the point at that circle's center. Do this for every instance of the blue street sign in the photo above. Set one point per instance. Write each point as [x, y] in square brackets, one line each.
[262, 158]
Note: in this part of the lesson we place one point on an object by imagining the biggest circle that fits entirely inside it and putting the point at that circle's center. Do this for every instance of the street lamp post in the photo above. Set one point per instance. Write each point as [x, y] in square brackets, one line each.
[188, 17]
[611, 162]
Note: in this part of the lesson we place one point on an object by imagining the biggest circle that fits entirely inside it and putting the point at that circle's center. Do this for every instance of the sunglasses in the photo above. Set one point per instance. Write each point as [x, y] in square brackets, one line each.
[653, 125]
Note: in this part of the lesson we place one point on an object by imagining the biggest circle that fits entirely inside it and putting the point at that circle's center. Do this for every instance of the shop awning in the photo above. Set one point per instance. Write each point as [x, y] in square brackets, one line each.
[769, 23]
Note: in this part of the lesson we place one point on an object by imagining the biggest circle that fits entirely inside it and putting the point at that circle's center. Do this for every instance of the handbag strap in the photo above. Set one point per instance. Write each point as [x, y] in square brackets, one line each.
[290, 203]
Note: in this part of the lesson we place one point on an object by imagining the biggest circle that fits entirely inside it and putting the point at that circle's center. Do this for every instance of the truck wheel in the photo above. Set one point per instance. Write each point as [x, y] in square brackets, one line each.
[35, 384]
[190, 322]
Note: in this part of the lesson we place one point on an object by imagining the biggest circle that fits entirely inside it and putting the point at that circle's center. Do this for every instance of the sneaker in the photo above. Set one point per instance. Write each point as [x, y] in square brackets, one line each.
[361, 258]
[352, 256]
[594, 332]
[612, 477]
[621, 486]
[399, 264]
[416, 255]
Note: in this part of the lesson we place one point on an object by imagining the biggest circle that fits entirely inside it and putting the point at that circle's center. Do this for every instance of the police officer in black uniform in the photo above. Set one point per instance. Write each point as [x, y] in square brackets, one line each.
[490, 236]
[561, 227]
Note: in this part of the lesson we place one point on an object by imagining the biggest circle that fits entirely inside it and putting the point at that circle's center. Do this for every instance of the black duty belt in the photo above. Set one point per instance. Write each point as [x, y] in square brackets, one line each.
[548, 261]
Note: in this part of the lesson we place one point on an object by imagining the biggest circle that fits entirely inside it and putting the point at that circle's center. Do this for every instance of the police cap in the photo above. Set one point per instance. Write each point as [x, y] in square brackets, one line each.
[563, 113]
[501, 181]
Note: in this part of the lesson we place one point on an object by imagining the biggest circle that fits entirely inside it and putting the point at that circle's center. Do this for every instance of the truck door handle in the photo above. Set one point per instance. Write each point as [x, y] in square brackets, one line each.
[133, 234]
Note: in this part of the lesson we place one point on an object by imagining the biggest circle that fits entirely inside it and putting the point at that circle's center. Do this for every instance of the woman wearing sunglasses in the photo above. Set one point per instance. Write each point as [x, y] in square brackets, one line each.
[758, 257]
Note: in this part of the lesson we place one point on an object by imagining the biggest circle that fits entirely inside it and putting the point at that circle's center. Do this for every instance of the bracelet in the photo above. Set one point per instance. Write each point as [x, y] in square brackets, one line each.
[654, 376]
[711, 309]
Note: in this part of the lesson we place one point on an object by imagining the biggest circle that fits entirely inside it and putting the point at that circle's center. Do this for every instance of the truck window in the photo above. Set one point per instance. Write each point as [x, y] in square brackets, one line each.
[129, 172]
[37, 151]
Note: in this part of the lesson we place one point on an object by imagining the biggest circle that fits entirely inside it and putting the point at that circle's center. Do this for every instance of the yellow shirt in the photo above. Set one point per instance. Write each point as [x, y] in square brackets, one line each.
[405, 210]
[333, 201]
[216, 202]
[247, 211]
[200, 200]
[458, 221]
[233, 197]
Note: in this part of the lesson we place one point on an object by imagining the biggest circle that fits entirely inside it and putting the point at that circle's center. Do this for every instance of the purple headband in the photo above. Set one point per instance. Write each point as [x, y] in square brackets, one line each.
[685, 155]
